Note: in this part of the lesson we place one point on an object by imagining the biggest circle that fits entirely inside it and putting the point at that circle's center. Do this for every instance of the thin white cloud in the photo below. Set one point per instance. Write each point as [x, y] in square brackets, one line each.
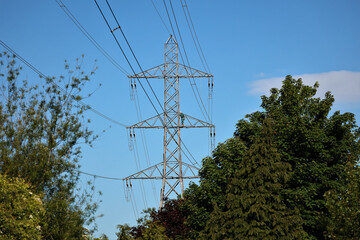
[344, 85]
[260, 74]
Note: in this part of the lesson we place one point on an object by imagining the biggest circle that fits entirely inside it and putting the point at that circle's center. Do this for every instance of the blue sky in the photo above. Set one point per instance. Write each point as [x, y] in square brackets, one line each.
[250, 46]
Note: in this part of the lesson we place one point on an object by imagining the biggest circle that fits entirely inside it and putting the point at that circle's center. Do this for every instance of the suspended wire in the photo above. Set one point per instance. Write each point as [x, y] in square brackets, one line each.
[126, 58]
[127, 42]
[88, 36]
[108, 56]
[132, 52]
[134, 200]
[131, 69]
[162, 20]
[128, 198]
[112, 32]
[60, 88]
[136, 154]
[197, 39]
[211, 104]
[143, 138]
[203, 61]
[99, 176]
[130, 194]
[133, 203]
[187, 59]
[202, 107]
[137, 104]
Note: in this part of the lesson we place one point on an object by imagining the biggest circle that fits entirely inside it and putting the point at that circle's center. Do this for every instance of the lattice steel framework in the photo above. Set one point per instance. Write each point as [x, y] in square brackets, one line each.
[172, 171]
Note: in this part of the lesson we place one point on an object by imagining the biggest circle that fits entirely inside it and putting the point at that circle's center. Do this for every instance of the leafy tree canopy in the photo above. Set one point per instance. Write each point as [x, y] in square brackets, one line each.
[41, 129]
[317, 146]
[254, 207]
[20, 210]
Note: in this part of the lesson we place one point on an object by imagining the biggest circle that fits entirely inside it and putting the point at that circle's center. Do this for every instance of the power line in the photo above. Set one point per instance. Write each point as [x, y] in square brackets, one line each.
[143, 137]
[202, 57]
[197, 39]
[162, 20]
[122, 32]
[132, 52]
[126, 58]
[202, 107]
[177, 26]
[108, 56]
[63, 90]
[187, 59]
[112, 32]
[99, 176]
[88, 36]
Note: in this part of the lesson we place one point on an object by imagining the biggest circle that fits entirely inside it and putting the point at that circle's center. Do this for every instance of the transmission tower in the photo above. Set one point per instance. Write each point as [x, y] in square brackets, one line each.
[172, 170]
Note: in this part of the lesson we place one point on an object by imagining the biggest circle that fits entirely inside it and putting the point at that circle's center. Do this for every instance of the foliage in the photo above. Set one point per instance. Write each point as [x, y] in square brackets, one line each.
[214, 176]
[165, 223]
[254, 208]
[316, 146]
[343, 206]
[20, 210]
[124, 232]
[172, 217]
[41, 129]
[297, 179]
[148, 228]
[102, 237]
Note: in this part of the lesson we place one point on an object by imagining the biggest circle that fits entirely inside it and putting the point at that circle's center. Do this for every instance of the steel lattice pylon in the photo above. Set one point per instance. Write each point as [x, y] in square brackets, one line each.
[172, 170]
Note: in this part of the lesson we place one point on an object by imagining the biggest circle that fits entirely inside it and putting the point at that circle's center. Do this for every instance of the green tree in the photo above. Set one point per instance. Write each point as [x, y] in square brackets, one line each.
[343, 205]
[41, 129]
[316, 145]
[148, 228]
[124, 232]
[20, 210]
[214, 176]
[254, 207]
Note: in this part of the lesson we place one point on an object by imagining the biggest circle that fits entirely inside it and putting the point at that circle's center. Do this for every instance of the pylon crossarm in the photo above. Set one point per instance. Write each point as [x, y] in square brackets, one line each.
[153, 122]
[190, 72]
[146, 173]
[195, 123]
[160, 73]
[155, 72]
[192, 168]
[156, 122]
[155, 172]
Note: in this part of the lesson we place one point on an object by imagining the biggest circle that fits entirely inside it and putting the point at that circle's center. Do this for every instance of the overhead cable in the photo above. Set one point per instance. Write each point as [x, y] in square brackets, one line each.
[197, 39]
[88, 36]
[202, 107]
[122, 32]
[193, 33]
[162, 20]
[98, 176]
[112, 32]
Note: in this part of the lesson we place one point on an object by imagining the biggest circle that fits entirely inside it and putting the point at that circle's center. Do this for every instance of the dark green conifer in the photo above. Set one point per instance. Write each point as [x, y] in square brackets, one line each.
[254, 207]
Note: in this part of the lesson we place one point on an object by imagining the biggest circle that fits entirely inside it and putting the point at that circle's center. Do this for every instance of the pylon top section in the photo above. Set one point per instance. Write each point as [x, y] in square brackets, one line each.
[171, 40]
[167, 70]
